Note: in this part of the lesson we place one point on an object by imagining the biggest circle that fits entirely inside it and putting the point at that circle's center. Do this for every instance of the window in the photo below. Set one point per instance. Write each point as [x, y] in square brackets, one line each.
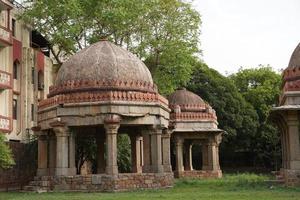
[32, 75]
[41, 80]
[16, 70]
[32, 112]
[13, 27]
[15, 109]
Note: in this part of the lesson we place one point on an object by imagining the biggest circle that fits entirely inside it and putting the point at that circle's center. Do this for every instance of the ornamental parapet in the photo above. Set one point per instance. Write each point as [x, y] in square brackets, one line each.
[190, 107]
[72, 86]
[193, 116]
[98, 96]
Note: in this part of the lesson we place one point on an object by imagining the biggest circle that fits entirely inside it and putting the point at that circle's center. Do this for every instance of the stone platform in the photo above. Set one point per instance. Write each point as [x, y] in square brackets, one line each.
[199, 174]
[290, 177]
[101, 182]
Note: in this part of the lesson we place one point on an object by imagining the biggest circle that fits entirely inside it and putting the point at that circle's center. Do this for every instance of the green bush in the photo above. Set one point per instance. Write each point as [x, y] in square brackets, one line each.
[6, 158]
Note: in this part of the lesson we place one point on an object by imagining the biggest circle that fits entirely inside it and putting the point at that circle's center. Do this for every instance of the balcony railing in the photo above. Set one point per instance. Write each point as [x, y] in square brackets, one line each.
[6, 4]
[5, 37]
[5, 80]
[5, 124]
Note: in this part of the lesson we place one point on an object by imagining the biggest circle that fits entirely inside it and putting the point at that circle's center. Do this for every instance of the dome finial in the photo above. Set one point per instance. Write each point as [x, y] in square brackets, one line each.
[181, 88]
[104, 38]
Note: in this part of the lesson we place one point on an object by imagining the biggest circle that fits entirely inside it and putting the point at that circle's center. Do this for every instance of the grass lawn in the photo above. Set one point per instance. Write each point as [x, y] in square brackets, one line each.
[241, 187]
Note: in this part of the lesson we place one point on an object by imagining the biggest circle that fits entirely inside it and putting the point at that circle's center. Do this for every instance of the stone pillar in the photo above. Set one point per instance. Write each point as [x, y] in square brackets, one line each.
[188, 166]
[166, 153]
[136, 161]
[146, 151]
[63, 151]
[112, 124]
[72, 152]
[179, 155]
[52, 154]
[205, 165]
[156, 153]
[100, 154]
[293, 141]
[42, 154]
[212, 156]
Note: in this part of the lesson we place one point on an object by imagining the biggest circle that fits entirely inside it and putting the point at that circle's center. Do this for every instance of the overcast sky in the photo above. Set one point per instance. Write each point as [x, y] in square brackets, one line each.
[247, 33]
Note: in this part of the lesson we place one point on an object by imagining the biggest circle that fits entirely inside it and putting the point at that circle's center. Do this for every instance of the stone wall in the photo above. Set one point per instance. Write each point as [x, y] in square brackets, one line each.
[199, 174]
[24, 170]
[101, 182]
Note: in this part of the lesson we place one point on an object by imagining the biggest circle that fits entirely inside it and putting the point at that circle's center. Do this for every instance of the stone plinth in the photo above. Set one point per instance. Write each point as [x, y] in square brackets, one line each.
[102, 182]
[199, 174]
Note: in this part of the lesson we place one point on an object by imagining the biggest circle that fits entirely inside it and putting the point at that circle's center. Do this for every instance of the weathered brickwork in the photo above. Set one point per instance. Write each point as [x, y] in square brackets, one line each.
[102, 182]
[199, 174]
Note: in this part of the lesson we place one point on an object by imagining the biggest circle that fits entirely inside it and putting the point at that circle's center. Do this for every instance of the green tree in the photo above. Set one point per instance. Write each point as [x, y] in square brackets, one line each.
[6, 157]
[261, 87]
[235, 115]
[163, 33]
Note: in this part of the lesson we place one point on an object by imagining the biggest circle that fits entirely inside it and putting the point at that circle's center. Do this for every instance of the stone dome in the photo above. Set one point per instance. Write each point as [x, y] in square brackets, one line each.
[186, 105]
[291, 75]
[295, 58]
[186, 100]
[103, 66]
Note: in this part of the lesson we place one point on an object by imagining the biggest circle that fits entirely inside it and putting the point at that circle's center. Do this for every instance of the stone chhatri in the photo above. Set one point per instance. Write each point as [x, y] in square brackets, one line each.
[286, 116]
[101, 92]
[192, 122]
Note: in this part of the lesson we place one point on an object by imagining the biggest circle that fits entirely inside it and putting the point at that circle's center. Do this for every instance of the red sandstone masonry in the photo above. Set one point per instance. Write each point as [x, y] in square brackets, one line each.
[102, 96]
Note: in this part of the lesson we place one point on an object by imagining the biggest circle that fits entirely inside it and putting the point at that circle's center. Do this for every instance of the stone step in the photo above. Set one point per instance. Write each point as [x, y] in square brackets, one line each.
[40, 183]
[38, 189]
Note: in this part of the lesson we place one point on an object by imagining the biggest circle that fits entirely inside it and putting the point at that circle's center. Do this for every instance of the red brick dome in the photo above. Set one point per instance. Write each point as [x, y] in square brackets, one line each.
[103, 66]
[291, 75]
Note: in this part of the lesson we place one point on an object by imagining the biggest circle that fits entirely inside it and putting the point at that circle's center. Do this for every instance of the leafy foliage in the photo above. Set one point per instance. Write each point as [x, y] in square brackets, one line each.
[124, 153]
[261, 87]
[6, 157]
[236, 116]
[86, 150]
[163, 33]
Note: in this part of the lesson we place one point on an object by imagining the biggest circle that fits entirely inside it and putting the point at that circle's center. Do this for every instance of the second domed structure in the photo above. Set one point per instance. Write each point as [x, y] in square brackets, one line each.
[194, 122]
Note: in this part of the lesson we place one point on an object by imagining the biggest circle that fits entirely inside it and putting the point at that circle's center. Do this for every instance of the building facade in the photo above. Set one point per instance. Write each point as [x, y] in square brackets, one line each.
[25, 73]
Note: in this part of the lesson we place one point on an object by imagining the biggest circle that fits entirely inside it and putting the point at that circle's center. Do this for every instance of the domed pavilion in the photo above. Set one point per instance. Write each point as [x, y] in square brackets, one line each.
[100, 92]
[286, 116]
[194, 122]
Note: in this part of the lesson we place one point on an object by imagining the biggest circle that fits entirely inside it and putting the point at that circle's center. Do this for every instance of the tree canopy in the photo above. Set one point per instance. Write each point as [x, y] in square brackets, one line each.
[6, 159]
[163, 33]
[261, 88]
[235, 115]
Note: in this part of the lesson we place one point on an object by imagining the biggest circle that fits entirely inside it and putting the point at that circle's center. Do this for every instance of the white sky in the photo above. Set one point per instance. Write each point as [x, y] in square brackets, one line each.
[247, 33]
